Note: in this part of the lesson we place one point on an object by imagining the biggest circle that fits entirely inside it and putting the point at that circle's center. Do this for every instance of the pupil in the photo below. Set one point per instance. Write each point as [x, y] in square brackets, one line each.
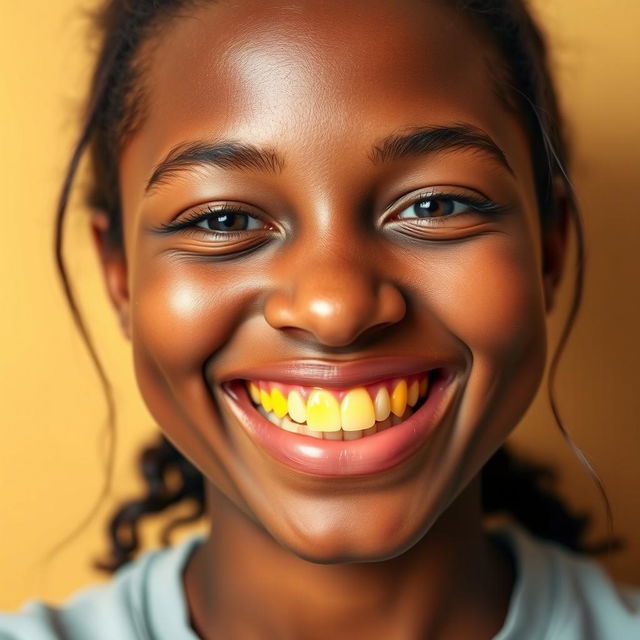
[227, 222]
[425, 208]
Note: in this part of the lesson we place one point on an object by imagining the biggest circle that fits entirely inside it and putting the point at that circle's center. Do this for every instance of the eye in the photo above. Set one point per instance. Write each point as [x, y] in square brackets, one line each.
[221, 219]
[219, 229]
[434, 207]
[229, 221]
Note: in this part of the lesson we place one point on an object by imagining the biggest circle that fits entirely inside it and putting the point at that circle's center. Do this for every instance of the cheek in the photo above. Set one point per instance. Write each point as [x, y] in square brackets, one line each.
[496, 305]
[490, 300]
[182, 314]
[502, 320]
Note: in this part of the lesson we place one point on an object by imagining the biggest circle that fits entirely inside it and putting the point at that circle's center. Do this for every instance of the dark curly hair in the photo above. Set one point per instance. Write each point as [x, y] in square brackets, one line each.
[116, 106]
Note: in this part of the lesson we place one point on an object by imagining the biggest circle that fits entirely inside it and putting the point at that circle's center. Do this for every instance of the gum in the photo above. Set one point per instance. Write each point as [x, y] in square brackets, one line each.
[372, 389]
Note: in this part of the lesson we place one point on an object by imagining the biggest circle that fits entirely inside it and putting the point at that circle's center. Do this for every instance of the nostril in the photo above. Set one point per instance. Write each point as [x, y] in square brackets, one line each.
[299, 334]
[375, 329]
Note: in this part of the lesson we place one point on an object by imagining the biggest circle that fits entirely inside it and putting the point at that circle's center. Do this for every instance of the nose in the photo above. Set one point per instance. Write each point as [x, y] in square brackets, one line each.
[334, 300]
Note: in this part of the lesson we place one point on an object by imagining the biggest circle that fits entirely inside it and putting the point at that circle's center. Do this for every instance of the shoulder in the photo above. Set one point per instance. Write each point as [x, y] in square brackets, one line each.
[144, 600]
[564, 596]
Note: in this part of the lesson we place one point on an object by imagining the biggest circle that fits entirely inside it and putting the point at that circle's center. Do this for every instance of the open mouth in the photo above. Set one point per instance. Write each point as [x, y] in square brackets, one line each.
[338, 430]
[340, 414]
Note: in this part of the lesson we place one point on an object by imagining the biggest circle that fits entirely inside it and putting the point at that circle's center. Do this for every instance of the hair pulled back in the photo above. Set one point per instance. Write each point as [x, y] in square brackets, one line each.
[116, 106]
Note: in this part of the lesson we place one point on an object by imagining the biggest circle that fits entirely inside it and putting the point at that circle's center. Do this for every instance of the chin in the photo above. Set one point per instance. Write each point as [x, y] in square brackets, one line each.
[336, 534]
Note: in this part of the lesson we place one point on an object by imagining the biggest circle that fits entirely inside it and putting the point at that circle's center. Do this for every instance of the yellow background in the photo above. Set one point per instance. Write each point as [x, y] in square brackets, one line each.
[52, 444]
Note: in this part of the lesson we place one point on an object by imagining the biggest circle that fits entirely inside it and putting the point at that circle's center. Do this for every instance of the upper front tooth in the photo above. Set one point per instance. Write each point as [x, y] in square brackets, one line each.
[412, 393]
[323, 411]
[297, 409]
[382, 404]
[399, 398]
[278, 402]
[357, 411]
[265, 400]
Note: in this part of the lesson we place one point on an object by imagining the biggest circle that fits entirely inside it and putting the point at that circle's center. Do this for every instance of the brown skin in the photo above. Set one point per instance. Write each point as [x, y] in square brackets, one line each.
[399, 554]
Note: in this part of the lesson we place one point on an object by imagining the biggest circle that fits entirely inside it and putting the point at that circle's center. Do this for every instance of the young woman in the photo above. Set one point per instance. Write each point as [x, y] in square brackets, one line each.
[332, 232]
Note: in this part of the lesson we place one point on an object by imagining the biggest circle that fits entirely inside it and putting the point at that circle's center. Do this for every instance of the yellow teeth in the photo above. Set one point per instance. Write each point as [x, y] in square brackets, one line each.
[265, 400]
[412, 393]
[356, 411]
[279, 403]
[297, 407]
[254, 392]
[289, 425]
[339, 415]
[399, 398]
[323, 411]
[308, 431]
[382, 404]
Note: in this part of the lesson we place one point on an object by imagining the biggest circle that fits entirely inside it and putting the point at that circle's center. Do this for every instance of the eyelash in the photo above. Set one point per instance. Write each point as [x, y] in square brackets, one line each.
[190, 220]
[474, 203]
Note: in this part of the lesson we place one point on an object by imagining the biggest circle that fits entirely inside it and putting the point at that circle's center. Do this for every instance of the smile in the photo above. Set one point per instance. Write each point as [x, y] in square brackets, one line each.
[341, 425]
[346, 414]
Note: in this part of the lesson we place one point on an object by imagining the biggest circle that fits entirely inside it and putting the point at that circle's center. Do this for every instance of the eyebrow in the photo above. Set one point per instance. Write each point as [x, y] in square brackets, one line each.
[426, 140]
[226, 154]
[229, 154]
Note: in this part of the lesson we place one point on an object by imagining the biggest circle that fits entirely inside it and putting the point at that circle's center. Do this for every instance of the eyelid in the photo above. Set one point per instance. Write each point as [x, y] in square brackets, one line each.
[191, 217]
[475, 199]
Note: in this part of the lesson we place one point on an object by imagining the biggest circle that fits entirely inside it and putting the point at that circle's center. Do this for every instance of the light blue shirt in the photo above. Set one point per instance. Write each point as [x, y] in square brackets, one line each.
[558, 595]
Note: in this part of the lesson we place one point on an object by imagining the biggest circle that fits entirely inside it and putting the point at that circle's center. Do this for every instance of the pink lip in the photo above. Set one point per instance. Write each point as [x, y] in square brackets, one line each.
[338, 374]
[366, 456]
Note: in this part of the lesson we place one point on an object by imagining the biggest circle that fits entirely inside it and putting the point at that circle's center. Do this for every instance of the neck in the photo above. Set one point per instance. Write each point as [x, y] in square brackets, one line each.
[452, 584]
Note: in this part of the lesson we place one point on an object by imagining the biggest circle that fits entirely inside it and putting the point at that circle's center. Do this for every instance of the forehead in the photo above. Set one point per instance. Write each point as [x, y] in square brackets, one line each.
[310, 76]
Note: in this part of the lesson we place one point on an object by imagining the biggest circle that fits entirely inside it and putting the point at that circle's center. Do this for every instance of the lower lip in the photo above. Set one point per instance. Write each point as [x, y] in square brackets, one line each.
[339, 458]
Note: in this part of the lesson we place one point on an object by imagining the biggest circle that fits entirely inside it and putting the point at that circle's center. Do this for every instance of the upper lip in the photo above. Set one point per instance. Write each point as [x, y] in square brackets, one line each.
[325, 373]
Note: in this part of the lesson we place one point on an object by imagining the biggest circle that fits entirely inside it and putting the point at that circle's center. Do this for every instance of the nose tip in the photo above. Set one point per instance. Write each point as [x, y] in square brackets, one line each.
[336, 311]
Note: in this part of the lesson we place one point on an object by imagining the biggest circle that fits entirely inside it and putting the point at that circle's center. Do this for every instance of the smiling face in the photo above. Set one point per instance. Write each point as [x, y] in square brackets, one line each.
[325, 202]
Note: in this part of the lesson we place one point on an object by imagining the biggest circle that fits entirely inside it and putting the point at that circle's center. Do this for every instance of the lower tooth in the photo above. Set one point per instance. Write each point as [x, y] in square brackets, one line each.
[289, 425]
[272, 417]
[407, 414]
[303, 428]
[294, 427]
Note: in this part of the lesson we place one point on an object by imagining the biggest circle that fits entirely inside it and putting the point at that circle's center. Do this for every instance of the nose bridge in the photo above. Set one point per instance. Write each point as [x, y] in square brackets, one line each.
[332, 289]
[336, 281]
